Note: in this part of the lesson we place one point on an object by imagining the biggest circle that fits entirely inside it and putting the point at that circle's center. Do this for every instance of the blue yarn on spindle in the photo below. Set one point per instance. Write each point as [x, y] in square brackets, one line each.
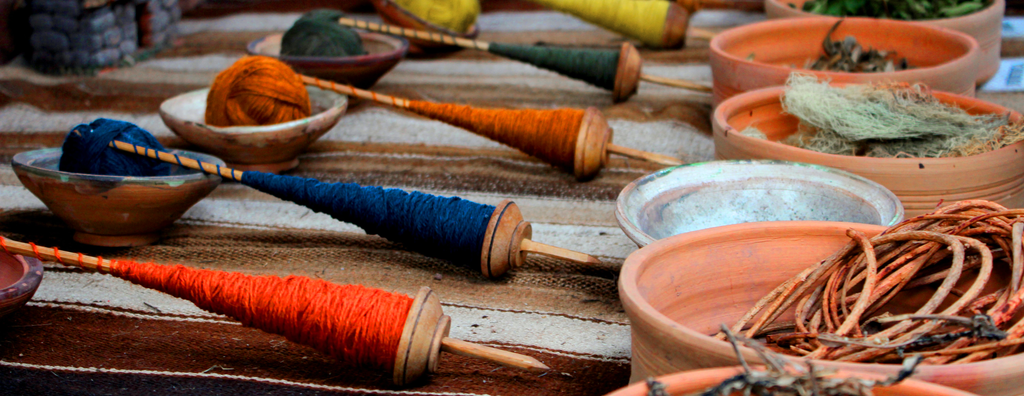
[451, 228]
[86, 150]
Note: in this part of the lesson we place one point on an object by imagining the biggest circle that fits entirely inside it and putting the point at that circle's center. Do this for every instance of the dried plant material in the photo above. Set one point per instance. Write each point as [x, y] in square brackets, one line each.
[841, 303]
[848, 56]
[894, 120]
[896, 9]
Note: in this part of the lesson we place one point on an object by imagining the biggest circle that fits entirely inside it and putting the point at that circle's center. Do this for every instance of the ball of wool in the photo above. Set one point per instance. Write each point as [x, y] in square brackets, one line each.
[318, 33]
[256, 90]
[455, 15]
[86, 150]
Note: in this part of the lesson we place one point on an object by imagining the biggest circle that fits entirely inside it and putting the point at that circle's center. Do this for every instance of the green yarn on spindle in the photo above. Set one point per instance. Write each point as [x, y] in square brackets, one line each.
[318, 33]
[596, 67]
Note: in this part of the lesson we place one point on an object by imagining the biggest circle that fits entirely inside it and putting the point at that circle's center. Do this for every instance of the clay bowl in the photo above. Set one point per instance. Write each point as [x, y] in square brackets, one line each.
[984, 25]
[710, 194]
[921, 183]
[394, 14]
[19, 279]
[114, 210]
[267, 148]
[695, 381]
[383, 53]
[679, 290]
[944, 59]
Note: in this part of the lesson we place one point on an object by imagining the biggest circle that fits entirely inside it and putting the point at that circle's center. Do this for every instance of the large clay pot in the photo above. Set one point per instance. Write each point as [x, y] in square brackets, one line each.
[985, 26]
[691, 382]
[943, 59]
[920, 183]
[19, 279]
[679, 290]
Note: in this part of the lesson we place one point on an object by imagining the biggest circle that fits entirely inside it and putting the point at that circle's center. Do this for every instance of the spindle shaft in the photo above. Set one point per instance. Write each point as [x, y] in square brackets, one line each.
[644, 155]
[424, 333]
[627, 73]
[506, 230]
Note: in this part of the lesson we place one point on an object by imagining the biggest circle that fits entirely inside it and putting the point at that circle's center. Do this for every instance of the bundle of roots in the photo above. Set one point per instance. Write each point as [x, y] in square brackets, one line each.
[945, 286]
[887, 120]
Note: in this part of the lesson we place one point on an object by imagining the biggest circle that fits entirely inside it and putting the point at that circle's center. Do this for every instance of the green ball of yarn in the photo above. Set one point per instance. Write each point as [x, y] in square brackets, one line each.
[318, 33]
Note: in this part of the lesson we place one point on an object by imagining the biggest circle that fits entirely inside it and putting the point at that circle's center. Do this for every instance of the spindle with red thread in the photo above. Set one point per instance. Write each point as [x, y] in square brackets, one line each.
[359, 326]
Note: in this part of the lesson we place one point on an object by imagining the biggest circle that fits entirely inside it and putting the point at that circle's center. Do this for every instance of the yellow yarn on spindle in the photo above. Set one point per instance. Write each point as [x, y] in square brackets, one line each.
[638, 19]
[455, 15]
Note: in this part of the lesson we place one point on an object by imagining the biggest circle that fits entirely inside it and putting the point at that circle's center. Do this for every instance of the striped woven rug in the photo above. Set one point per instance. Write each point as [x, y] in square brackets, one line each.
[92, 334]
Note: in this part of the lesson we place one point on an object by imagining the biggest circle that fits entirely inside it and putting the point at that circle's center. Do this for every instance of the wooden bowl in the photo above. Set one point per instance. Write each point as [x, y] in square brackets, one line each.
[984, 25]
[921, 183]
[267, 148]
[695, 381]
[362, 71]
[19, 279]
[394, 14]
[710, 194]
[114, 210]
[679, 290]
[944, 59]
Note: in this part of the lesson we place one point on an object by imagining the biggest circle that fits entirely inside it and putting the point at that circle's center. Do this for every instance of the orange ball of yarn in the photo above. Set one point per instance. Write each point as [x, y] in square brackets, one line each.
[256, 90]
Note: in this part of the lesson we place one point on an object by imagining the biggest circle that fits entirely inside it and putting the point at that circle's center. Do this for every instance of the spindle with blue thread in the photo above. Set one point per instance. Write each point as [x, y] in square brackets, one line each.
[475, 236]
[616, 71]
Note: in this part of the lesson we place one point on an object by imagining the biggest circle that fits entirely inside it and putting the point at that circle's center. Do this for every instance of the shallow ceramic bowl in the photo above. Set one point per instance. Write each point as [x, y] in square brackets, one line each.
[19, 279]
[696, 381]
[362, 71]
[678, 291]
[268, 148]
[921, 183]
[710, 194]
[394, 14]
[984, 25]
[944, 59]
[114, 210]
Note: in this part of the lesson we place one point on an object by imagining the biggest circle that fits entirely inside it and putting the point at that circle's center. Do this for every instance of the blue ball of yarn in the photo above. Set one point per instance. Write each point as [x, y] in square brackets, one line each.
[86, 150]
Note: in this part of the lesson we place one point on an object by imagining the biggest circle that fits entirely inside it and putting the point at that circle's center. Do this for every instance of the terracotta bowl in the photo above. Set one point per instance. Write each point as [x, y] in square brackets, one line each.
[268, 148]
[114, 210]
[945, 60]
[394, 14]
[695, 381]
[921, 183]
[19, 279]
[679, 290]
[985, 26]
[710, 194]
[383, 53]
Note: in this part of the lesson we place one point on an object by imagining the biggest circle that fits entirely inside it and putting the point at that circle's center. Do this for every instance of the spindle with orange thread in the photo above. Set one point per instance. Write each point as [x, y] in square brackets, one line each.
[618, 71]
[360, 326]
[578, 141]
[504, 236]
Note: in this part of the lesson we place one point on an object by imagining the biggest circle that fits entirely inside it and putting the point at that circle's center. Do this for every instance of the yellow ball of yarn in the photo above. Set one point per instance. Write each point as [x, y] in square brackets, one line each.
[455, 15]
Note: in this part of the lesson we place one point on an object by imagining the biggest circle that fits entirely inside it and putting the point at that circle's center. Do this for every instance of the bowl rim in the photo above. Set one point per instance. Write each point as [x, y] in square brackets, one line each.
[785, 4]
[336, 110]
[761, 95]
[32, 275]
[971, 55]
[20, 163]
[399, 45]
[473, 31]
[642, 239]
[635, 305]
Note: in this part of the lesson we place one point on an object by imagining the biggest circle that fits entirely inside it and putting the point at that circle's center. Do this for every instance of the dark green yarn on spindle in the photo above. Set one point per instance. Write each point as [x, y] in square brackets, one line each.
[318, 33]
[596, 67]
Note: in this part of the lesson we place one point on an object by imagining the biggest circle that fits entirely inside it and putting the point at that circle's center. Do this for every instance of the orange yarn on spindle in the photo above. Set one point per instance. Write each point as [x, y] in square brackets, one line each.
[547, 134]
[256, 90]
[358, 325]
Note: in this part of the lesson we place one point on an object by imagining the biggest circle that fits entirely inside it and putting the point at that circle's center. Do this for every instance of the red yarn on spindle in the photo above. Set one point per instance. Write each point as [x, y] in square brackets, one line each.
[357, 325]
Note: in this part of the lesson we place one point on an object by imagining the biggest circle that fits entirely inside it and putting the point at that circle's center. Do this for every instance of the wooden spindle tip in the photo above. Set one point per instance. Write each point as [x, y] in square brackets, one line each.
[676, 21]
[502, 241]
[690, 6]
[627, 75]
[425, 327]
[591, 145]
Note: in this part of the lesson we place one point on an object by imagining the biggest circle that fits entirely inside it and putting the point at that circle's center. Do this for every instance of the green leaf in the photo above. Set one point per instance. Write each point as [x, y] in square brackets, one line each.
[854, 7]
